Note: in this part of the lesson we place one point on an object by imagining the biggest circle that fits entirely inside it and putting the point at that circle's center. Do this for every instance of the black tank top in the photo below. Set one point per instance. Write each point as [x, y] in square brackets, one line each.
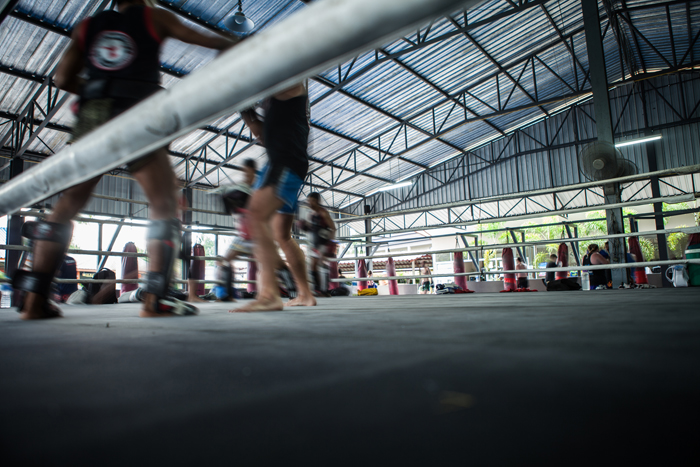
[318, 223]
[286, 133]
[122, 45]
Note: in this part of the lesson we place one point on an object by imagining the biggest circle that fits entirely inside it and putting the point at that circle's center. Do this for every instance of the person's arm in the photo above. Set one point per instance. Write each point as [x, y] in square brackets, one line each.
[329, 222]
[597, 258]
[166, 25]
[252, 120]
[71, 63]
[295, 91]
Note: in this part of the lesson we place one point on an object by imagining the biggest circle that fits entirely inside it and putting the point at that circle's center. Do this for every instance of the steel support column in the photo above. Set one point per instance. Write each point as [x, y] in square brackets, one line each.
[104, 258]
[652, 160]
[515, 240]
[14, 226]
[186, 247]
[475, 260]
[604, 127]
[574, 245]
[368, 229]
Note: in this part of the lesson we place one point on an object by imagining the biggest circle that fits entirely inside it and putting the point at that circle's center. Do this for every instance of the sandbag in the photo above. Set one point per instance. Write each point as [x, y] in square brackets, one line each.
[640, 275]
[197, 268]
[508, 265]
[391, 271]
[130, 268]
[563, 257]
[251, 276]
[458, 265]
[361, 272]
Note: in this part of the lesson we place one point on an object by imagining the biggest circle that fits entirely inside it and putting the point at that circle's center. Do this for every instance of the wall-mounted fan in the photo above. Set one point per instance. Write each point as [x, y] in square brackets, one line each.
[602, 161]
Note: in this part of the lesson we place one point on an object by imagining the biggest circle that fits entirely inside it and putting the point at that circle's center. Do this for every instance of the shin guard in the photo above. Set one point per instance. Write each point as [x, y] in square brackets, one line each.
[167, 234]
[40, 282]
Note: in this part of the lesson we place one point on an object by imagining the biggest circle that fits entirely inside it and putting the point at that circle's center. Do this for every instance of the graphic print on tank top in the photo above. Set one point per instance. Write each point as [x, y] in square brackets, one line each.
[113, 50]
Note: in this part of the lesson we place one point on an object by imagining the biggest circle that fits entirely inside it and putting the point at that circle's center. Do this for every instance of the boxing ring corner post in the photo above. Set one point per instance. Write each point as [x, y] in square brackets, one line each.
[314, 39]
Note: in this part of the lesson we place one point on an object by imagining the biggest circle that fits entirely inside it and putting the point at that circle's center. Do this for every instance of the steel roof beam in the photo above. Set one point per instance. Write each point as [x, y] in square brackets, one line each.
[523, 7]
[500, 68]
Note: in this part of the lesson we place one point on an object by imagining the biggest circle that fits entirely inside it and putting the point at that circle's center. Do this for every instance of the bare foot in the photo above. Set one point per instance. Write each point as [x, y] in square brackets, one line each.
[302, 300]
[37, 307]
[145, 313]
[262, 304]
[151, 309]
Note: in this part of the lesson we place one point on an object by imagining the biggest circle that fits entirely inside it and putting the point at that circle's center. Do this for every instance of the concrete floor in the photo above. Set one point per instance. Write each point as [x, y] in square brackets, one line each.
[567, 378]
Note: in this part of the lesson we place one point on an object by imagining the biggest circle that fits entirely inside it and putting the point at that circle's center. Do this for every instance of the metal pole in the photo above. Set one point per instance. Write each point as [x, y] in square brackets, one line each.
[111, 245]
[604, 128]
[14, 226]
[303, 45]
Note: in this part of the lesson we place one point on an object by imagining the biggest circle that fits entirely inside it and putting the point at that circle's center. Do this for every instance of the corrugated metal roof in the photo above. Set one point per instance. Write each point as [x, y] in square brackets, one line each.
[398, 104]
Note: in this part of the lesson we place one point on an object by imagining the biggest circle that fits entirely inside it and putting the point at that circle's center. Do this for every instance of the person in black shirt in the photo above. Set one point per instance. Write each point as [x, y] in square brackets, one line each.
[119, 50]
[284, 132]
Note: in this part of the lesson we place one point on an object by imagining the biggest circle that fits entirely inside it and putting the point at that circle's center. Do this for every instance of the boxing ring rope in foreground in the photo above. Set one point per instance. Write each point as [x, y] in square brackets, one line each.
[314, 39]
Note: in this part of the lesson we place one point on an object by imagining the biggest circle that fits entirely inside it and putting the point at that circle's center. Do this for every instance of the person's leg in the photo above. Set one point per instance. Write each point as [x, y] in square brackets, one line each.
[48, 255]
[192, 291]
[282, 227]
[156, 177]
[262, 206]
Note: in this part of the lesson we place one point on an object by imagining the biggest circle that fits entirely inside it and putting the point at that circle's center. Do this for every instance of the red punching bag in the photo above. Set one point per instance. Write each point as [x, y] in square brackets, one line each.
[197, 267]
[640, 275]
[333, 266]
[563, 257]
[508, 265]
[391, 271]
[251, 276]
[458, 265]
[361, 272]
[130, 268]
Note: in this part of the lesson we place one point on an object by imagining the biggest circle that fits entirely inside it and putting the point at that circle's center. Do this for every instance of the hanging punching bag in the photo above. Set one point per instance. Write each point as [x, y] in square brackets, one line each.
[361, 272]
[508, 265]
[130, 268]
[391, 271]
[640, 275]
[251, 276]
[563, 257]
[458, 265]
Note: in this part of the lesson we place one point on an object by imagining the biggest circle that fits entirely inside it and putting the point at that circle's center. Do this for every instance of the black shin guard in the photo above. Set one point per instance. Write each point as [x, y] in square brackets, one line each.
[287, 281]
[40, 282]
[167, 233]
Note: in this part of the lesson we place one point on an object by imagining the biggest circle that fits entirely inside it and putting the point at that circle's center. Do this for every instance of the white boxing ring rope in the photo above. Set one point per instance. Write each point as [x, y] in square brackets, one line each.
[497, 246]
[314, 39]
[418, 276]
[528, 271]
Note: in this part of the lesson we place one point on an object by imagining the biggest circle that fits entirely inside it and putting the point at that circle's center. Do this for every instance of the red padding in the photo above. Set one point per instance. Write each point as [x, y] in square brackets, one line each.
[361, 272]
[251, 276]
[458, 265]
[640, 275]
[130, 268]
[391, 271]
[197, 267]
[508, 265]
[563, 257]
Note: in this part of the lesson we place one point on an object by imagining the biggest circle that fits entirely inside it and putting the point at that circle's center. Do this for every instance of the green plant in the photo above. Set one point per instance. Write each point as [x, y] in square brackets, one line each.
[678, 243]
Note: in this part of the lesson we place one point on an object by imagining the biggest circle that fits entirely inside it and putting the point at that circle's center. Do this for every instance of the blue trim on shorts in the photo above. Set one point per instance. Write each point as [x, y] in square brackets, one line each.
[287, 187]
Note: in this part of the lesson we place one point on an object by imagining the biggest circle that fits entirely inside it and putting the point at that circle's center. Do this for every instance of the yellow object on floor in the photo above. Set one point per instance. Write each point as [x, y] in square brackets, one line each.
[367, 292]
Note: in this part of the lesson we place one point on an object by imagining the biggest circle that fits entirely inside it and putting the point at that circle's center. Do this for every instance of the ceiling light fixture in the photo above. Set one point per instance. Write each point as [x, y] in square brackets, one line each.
[238, 23]
[394, 186]
[637, 141]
